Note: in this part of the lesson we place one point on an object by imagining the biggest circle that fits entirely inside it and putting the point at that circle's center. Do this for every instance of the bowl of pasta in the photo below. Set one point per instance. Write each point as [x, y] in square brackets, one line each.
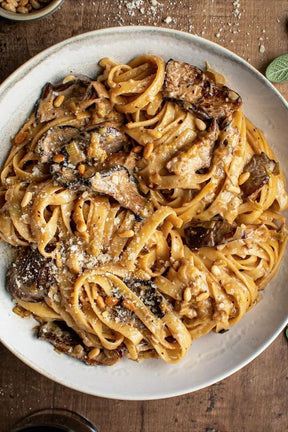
[142, 213]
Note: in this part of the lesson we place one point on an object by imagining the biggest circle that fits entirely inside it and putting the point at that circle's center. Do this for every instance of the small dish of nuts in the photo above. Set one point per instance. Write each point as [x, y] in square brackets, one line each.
[27, 10]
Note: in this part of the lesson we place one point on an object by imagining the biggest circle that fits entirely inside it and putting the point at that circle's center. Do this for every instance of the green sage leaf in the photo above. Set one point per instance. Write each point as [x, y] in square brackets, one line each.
[277, 71]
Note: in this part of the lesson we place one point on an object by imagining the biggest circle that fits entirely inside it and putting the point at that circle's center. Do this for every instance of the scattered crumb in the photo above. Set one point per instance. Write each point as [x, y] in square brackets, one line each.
[236, 9]
[168, 20]
[261, 49]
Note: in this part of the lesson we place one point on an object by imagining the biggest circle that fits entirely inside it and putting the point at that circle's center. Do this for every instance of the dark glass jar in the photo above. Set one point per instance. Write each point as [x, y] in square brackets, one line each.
[54, 420]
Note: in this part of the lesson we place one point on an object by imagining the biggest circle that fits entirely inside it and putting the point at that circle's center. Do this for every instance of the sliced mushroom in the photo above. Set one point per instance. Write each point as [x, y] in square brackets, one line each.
[208, 234]
[92, 145]
[30, 276]
[88, 162]
[52, 141]
[116, 182]
[260, 168]
[128, 160]
[197, 156]
[199, 93]
[56, 100]
[91, 148]
[107, 136]
[67, 341]
[120, 185]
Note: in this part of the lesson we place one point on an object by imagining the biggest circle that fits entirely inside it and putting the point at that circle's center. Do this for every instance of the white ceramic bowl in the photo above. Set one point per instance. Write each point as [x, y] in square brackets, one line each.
[215, 356]
[34, 15]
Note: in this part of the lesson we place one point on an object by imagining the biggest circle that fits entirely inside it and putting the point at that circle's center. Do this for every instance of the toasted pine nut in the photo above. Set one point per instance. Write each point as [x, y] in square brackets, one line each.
[100, 302]
[201, 126]
[93, 353]
[215, 270]
[26, 199]
[232, 95]
[148, 150]
[187, 295]
[243, 177]
[126, 234]
[111, 301]
[35, 4]
[68, 79]
[78, 350]
[129, 305]
[157, 134]
[58, 101]
[20, 137]
[137, 149]
[23, 2]
[81, 227]
[81, 168]
[58, 158]
[202, 296]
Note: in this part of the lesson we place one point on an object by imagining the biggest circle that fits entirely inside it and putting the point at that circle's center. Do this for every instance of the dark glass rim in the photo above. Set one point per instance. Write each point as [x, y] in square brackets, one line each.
[69, 421]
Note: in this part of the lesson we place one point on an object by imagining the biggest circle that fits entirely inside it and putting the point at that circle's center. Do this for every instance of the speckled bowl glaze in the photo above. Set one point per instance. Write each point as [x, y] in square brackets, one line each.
[212, 357]
[31, 16]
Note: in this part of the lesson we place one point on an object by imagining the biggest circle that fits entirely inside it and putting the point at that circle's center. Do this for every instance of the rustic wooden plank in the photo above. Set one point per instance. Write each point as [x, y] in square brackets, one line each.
[254, 398]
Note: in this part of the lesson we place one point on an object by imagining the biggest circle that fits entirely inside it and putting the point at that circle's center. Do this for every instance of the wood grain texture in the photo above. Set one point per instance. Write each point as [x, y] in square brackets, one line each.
[253, 399]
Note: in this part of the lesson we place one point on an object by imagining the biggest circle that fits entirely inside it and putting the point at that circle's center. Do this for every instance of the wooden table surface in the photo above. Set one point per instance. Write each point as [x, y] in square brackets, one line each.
[253, 399]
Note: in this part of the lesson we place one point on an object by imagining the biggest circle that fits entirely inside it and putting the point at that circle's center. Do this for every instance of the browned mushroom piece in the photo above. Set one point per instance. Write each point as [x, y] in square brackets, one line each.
[67, 341]
[122, 186]
[55, 100]
[90, 149]
[208, 234]
[52, 141]
[106, 136]
[198, 156]
[29, 277]
[116, 182]
[199, 93]
[93, 161]
[128, 160]
[260, 168]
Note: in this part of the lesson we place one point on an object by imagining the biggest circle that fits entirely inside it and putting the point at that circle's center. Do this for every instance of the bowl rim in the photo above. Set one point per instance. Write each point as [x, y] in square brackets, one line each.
[123, 29]
[31, 16]
[8, 82]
